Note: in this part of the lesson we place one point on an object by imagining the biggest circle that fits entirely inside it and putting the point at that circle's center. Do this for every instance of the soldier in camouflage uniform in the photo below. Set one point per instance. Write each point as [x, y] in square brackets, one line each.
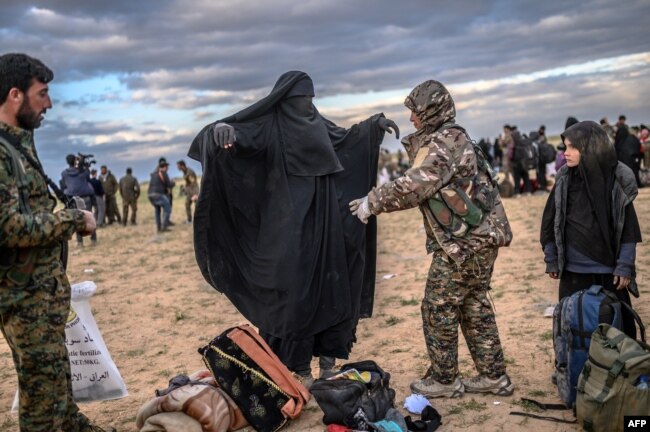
[34, 289]
[465, 224]
[130, 192]
[191, 188]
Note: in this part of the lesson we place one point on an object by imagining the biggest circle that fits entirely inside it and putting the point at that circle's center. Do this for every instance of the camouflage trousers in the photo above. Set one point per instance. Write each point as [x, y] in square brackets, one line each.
[34, 328]
[458, 295]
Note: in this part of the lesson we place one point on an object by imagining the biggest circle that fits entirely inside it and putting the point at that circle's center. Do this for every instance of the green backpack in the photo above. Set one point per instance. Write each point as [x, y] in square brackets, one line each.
[607, 387]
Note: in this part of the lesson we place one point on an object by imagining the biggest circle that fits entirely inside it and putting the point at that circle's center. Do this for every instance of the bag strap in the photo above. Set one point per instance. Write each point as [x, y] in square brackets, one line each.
[549, 418]
[629, 308]
[544, 407]
[250, 342]
[39, 168]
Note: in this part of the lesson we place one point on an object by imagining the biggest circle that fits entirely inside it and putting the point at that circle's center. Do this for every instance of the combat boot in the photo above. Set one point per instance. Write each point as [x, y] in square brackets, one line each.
[501, 386]
[431, 388]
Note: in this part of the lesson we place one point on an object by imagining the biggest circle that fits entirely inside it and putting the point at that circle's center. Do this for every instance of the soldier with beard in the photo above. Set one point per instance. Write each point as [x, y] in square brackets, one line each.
[465, 224]
[34, 289]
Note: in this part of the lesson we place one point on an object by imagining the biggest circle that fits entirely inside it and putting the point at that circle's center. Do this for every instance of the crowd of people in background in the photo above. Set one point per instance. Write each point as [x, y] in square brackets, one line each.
[527, 161]
[98, 193]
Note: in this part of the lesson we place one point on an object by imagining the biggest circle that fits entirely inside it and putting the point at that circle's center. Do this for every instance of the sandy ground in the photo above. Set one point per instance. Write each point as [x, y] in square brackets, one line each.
[154, 310]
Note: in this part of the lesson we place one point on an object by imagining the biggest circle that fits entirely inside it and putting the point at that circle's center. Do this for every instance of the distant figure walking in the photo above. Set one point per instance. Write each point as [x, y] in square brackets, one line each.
[158, 194]
[130, 192]
[191, 188]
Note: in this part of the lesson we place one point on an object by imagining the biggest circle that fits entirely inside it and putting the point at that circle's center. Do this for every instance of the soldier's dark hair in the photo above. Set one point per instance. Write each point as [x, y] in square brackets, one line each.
[181, 162]
[622, 117]
[507, 126]
[18, 70]
[103, 166]
[129, 171]
[70, 159]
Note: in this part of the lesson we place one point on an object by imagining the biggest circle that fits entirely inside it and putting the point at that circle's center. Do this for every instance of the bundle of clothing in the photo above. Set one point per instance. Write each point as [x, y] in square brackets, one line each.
[190, 404]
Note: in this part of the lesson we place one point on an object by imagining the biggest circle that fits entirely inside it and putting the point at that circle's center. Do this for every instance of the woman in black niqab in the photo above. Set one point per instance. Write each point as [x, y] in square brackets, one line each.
[272, 229]
[589, 227]
[628, 149]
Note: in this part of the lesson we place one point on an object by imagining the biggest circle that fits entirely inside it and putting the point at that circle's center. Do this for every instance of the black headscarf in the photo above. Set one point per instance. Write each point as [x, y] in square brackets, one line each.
[628, 148]
[570, 121]
[593, 178]
[305, 138]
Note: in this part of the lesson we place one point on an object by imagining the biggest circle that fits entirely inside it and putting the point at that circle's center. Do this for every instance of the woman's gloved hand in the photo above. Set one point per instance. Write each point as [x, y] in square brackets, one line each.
[387, 124]
[224, 135]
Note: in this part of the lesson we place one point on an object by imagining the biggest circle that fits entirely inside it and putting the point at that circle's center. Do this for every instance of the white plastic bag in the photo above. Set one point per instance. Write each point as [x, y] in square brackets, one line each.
[94, 374]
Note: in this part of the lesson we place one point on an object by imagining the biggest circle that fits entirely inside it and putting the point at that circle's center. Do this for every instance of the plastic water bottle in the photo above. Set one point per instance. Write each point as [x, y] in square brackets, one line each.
[642, 382]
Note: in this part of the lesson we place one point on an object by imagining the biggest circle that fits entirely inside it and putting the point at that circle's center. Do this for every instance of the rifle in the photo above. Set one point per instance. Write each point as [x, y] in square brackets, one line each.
[68, 202]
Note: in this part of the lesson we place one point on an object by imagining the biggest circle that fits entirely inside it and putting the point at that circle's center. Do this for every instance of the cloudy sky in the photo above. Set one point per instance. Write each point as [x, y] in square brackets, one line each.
[137, 80]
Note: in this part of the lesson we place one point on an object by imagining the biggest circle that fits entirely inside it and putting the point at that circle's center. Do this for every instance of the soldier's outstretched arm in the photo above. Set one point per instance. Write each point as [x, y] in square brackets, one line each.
[432, 168]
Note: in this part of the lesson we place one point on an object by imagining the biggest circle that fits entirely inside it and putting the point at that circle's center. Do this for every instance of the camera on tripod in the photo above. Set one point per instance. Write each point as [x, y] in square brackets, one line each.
[84, 161]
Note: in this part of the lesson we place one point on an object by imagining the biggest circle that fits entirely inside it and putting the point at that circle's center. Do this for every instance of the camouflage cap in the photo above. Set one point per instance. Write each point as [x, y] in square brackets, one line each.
[432, 104]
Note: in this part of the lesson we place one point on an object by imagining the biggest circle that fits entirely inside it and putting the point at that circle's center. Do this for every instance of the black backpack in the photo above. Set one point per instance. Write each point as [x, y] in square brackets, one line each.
[525, 152]
[546, 152]
[341, 399]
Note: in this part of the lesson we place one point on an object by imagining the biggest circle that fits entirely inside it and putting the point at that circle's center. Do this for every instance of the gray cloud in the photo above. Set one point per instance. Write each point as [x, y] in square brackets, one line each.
[347, 46]
[204, 55]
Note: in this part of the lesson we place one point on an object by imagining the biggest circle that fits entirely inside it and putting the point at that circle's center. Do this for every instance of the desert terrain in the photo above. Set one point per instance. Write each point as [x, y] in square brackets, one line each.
[154, 310]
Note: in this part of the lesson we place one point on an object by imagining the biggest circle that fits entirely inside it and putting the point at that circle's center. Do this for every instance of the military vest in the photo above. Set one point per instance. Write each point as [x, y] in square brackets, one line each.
[463, 203]
[17, 265]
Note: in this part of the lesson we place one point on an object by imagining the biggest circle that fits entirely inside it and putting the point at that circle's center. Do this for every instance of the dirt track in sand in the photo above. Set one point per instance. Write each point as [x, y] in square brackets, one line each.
[154, 310]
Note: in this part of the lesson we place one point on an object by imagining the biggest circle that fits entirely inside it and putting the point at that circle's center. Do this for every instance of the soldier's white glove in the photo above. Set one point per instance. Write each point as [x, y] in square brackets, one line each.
[224, 135]
[359, 208]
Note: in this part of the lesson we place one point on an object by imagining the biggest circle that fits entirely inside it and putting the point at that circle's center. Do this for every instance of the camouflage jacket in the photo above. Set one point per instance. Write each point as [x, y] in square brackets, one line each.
[438, 159]
[191, 183]
[30, 243]
[129, 187]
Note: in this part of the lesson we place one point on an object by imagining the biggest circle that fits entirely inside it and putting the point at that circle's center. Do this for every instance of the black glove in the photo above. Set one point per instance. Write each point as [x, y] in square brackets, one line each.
[387, 125]
[224, 135]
